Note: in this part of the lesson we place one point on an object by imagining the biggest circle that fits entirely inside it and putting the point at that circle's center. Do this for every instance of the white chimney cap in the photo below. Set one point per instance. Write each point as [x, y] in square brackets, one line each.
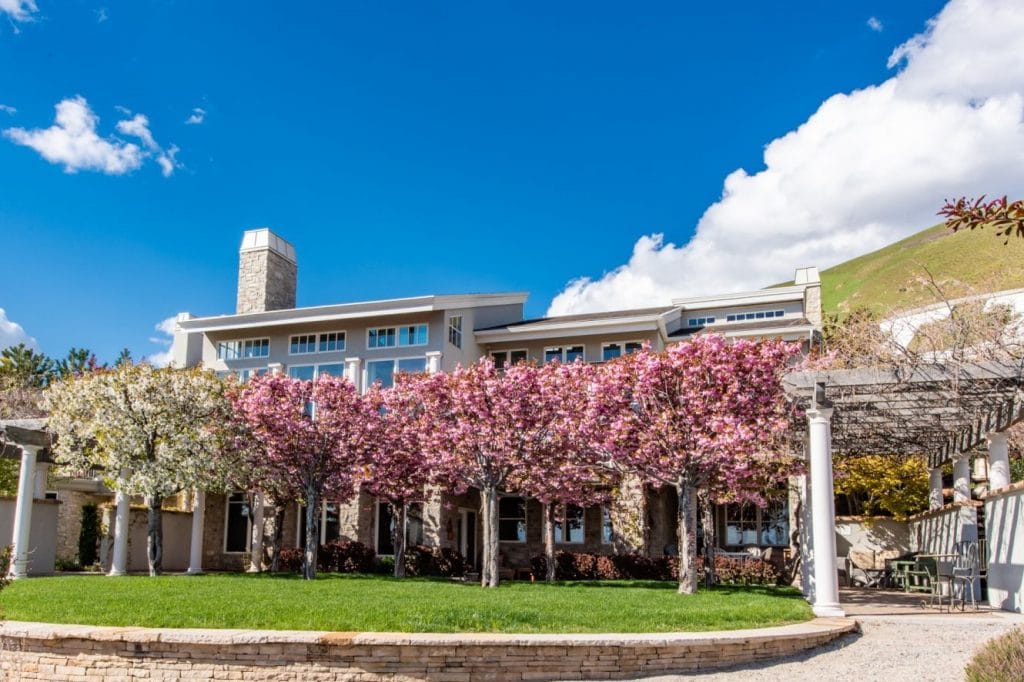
[807, 276]
[262, 238]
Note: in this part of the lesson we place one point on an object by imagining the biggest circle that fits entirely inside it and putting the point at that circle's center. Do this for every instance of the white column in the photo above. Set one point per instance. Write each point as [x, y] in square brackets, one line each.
[961, 478]
[23, 511]
[434, 362]
[823, 512]
[40, 486]
[119, 560]
[256, 545]
[352, 371]
[195, 561]
[998, 461]
[935, 488]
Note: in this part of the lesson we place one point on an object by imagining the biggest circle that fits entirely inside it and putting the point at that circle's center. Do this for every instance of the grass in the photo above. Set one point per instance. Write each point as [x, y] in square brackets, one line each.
[384, 604]
[894, 277]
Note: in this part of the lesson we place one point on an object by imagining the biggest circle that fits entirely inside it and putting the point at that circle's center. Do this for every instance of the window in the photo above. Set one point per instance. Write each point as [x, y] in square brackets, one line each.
[248, 348]
[388, 337]
[455, 330]
[700, 321]
[385, 543]
[507, 358]
[563, 353]
[570, 530]
[384, 370]
[758, 315]
[303, 372]
[607, 531]
[304, 343]
[245, 375]
[610, 351]
[310, 372]
[747, 524]
[512, 519]
[332, 341]
[236, 524]
[330, 524]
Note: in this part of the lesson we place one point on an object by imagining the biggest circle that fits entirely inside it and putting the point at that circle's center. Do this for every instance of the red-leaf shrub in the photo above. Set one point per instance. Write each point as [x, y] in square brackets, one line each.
[584, 566]
[334, 557]
[421, 560]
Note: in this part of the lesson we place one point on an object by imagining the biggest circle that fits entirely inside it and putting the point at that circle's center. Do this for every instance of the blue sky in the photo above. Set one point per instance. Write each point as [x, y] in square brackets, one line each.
[407, 149]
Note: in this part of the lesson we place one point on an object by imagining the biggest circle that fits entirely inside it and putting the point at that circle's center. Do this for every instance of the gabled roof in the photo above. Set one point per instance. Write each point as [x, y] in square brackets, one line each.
[615, 321]
[345, 311]
[742, 298]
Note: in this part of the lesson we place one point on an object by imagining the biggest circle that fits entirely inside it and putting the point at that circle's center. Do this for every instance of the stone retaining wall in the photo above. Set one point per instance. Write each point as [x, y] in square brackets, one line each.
[78, 653]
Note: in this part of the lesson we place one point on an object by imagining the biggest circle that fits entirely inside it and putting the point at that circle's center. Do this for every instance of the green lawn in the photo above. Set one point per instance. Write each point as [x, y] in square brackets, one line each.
[384, 604]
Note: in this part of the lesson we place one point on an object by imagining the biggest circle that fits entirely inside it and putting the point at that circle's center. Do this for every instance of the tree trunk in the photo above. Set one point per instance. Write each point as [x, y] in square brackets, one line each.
[398, 537]
[489, 576]
[277, 536]
[485, 539]
[312, 535]
[707, 519]
[687, 520]
[155, 534]
[549, 543]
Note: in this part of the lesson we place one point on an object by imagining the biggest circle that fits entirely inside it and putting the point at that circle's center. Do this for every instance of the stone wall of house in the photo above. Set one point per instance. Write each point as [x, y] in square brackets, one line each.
[66, 653]
[266, 281]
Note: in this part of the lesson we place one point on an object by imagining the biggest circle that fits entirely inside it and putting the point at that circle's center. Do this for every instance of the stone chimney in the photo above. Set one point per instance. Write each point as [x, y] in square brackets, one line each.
[267, 272]
[809, 278]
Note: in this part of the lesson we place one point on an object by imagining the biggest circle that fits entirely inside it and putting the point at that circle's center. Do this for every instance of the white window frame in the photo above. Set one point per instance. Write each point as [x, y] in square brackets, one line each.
[291, 341]
[606, 521]
[394, 369]
[376, 523]
[316, 368]
[341, 336]
[398, 336]
[752, 315]
[694, 322]
[623, 344]
[241, 348]
[525, 517]
[564, 509]
[248, 524]
[454, 330]
[563, 351]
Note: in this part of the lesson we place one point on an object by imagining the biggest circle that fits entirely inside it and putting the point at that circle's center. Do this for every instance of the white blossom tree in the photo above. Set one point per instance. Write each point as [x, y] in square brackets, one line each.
[152, 431]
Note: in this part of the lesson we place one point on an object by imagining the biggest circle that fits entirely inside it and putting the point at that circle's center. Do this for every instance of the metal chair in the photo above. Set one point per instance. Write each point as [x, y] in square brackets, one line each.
[966, 573]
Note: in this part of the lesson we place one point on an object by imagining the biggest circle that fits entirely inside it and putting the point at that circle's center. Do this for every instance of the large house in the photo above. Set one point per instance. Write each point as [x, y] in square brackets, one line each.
[369, 341]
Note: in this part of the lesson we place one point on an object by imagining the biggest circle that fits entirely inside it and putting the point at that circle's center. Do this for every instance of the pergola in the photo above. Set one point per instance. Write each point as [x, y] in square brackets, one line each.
[29, 441]
[941, 410]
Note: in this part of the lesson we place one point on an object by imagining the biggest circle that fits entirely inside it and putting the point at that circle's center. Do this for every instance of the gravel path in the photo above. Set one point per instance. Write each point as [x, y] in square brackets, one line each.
[911, 647]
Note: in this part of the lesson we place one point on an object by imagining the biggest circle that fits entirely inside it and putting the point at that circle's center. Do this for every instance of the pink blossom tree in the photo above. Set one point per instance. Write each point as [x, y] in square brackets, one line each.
[400, 466]
[561, 467]
[316, 436]
[707, 413]
[485, 425]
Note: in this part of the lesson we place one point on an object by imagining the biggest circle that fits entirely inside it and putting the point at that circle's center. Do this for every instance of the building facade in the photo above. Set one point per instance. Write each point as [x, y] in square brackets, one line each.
[370, 341]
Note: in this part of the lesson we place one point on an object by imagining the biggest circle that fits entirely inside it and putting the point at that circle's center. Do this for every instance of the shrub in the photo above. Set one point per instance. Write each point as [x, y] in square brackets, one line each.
[89, 536]
[421, 560]
[66, 564]
[343, 556]
[999, 659]
[584, 566]
[291, 559]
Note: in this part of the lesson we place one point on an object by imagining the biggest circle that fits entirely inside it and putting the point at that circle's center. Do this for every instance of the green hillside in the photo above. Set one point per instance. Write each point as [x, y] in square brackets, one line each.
[896, 276]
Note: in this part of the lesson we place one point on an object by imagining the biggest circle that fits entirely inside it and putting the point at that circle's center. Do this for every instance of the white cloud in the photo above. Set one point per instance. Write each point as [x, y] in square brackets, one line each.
[138, 126]
[163, 358]
[197, 116]
[12, 333]
[8, 109]
[875, 24]
[101, 15]
[867, 168]
[74, 142]
[19, 10]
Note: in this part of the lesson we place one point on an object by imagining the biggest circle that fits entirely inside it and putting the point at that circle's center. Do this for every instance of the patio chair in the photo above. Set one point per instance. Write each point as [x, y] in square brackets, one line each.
[965, 574]
[923, 577]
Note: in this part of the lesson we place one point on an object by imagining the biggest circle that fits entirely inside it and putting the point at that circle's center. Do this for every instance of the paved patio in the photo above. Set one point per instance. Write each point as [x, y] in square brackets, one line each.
[899, 639]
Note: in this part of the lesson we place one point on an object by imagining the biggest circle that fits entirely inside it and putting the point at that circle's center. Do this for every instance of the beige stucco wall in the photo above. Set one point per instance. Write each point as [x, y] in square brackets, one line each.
[42, 545]
[1004, 519]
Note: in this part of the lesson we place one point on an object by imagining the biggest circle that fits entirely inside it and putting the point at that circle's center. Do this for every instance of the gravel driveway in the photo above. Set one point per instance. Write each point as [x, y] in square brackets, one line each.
[889, 647]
